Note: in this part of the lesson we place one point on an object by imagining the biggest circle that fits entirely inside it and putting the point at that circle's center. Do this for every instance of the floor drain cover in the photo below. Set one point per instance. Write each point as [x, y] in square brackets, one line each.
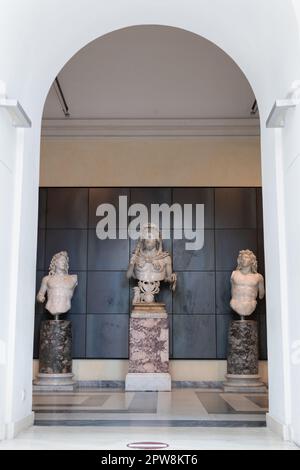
[148, 445]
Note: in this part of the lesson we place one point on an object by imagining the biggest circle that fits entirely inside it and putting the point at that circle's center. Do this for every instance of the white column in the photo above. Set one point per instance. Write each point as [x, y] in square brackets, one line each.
[19, 157]
[7, 165]
[291, 175]
[276, 282]
[281, 163]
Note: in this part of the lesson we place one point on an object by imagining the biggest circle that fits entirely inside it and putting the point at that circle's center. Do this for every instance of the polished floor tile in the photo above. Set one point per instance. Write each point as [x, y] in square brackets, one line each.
[215, 404]
[242, 404]
[188, 407]
[261, 400]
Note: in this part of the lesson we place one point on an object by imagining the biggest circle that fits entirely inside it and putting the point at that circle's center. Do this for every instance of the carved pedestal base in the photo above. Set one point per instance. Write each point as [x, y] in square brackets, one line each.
[148, 349]
[55, 359]
[54, 383]
[242, 362]
[244, 384]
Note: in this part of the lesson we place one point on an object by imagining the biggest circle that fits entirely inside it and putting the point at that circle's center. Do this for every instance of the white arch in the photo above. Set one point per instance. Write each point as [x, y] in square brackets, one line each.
[261, 36]
[61, 29]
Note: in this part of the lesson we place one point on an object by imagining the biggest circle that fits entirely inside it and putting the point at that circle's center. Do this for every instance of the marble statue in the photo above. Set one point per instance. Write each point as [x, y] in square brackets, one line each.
[246, 285]
[242, 353]
[150, 265]
[59, 286]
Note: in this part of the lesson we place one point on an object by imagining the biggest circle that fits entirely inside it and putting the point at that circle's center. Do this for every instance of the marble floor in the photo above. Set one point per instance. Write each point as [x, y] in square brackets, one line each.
[181, 407]
[116, 438]
[183, 419]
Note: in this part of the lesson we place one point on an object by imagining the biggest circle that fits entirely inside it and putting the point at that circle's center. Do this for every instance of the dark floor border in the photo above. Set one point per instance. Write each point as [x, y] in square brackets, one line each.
[141, 423]
[120, 384]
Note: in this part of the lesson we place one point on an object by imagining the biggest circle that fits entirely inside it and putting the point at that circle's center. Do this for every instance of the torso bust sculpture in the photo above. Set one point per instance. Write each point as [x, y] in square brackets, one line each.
[150, 265]
[246, 284]
[59, 285]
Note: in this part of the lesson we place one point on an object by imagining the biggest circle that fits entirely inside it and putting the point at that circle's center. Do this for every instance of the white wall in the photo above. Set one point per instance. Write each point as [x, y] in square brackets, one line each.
[291, 171]
[16, 313]
[262, 36]
[8, 137]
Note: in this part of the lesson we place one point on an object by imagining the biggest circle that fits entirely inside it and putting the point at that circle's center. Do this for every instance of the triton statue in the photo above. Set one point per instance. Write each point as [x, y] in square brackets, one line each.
[246, 285]
[59, 286]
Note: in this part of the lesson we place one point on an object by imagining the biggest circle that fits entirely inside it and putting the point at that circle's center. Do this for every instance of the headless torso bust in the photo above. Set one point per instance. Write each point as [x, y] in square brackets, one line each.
[246, 285]
[59, 286]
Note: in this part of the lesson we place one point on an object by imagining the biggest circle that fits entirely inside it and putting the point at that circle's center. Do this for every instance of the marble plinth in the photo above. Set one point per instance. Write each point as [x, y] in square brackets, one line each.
[54, 382]
[242, 362]
[55, 358]
[148, 349]
[244, 384]
[157, 382]
[151, 310]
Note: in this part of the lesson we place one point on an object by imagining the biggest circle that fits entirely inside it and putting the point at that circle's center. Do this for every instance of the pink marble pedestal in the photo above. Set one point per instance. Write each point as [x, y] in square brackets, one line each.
[149, 349]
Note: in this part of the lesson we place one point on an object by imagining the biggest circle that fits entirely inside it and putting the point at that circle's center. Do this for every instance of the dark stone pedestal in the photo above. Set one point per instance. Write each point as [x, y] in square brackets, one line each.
[55, 359]
[149, 349]
[242, 362]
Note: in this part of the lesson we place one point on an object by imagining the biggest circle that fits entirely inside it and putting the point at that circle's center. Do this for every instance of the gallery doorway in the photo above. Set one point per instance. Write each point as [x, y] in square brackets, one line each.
[151, 98]
[259, 72]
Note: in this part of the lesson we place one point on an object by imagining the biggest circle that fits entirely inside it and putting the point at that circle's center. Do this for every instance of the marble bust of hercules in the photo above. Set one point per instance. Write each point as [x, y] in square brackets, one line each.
[59, 285]
[246, 284]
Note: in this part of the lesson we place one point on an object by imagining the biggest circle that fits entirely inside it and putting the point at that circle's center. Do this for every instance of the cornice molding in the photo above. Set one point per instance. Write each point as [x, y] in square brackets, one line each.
[53, 128]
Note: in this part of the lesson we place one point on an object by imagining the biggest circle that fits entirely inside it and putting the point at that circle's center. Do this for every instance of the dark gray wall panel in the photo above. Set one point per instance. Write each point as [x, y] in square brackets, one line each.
[42, 207]
[223, 292]
[39, 308]
[195, 260]
[73, 241]
[99, 196]
[148, 196]
[78, 335]
[194, 337]
[261, 307]
[262, 329]
[235, 207]
[107, 336]
[228, 245]
[195, 293]
[67, 208]
[41, 248]
[223, 323]
[170, 318]
[261, 251]
[39, 317]
[110, 255]
[260, 232]
[199, 311]
[166, 296]
[79, 299]
[197, 196]
[260, 219]
[107, 292]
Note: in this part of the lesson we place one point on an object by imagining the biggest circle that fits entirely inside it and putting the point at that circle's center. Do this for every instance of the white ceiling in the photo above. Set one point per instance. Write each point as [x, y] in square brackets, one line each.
[151, 72]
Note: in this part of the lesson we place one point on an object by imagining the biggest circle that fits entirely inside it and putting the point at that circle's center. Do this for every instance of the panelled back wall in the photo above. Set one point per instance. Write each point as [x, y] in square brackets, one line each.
[199, 311]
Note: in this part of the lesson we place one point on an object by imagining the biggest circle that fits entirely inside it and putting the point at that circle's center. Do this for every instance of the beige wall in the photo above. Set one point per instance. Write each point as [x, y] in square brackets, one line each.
[86, 369]
[203, 161]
